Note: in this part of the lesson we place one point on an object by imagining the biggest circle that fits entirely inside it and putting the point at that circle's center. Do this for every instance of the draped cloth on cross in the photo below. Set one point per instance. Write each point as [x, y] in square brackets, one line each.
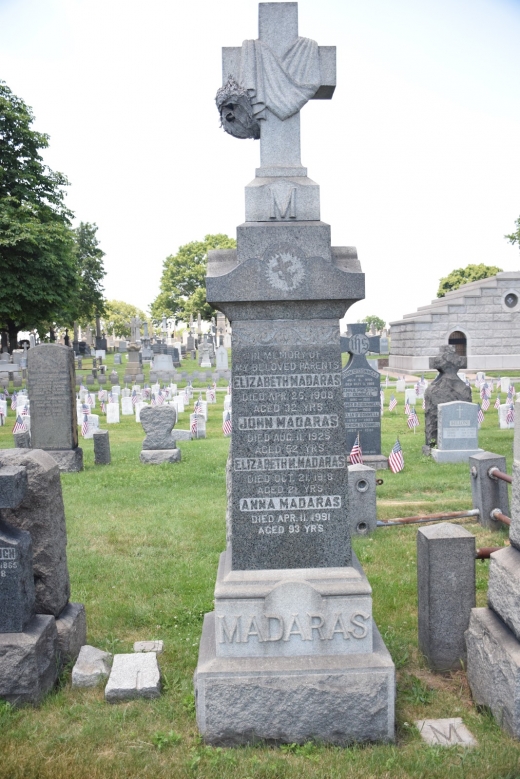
[281, 84]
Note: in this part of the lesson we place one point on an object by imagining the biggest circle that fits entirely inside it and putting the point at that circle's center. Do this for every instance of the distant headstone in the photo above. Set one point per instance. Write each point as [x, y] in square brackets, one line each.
[112, 413]
[159, 444]
[457, 435]
[505, 382]
[503, 413]
[102, 447]
[117, 359]
[198, 426]
[447, 387]
[221, 358]
[361, 392]
[51, 383]
[127, 408]
[410, 396]
[122, 347]
[400, 385]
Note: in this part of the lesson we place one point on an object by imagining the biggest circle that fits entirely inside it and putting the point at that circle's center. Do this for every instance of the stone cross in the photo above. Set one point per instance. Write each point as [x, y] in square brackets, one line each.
[280, 139]
[359, 343]
[448, 361]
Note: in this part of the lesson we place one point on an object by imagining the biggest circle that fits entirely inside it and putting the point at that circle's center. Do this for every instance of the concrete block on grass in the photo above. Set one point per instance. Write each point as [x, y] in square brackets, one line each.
[92, 666]
[133, 676]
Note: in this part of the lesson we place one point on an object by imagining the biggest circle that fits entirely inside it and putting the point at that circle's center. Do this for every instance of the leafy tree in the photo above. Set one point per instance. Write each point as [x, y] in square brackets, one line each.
[89, 302]
[117, 317]
[465, 275]
[183, 281]
[371, 319]
[36, 243]
[515, 237]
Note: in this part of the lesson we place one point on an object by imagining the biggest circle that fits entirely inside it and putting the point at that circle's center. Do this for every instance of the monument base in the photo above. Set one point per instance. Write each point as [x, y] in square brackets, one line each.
[453, 455]
[158, 456]
[494, 668]
[338, 699]
[29, 669]
[69, 460]
[376, 461]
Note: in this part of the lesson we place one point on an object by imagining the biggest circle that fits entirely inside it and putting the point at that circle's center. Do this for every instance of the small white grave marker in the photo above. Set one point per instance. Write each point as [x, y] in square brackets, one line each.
[127, 408]
[112, 413]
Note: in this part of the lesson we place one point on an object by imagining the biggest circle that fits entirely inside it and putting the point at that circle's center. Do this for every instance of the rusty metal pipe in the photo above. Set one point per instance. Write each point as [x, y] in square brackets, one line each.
[497, 514]
[485, 551]
[428, 518]
[494, 473]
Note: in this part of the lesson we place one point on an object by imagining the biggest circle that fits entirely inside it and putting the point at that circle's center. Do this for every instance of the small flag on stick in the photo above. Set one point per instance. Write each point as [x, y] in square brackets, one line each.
[396, 459]
[356, 455]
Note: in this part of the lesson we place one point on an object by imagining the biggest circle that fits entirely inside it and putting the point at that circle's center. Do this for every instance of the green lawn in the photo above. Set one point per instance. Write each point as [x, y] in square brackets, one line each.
[143, 548]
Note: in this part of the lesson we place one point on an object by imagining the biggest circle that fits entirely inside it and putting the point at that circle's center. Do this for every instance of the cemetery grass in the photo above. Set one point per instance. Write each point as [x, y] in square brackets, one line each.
[143, 549]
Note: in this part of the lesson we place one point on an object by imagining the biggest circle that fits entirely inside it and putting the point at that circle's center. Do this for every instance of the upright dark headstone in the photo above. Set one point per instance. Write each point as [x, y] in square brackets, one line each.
[101, 447]
[52, 389]
[443, 389]
[16, 579]
[361, 395]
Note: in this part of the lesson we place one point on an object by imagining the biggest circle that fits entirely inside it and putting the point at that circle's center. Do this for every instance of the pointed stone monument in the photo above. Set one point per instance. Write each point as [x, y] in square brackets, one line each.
[291, 652]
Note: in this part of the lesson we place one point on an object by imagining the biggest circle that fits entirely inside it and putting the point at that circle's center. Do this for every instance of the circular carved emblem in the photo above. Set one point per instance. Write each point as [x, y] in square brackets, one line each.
[511, 300]
[285, 269]
[359, 344]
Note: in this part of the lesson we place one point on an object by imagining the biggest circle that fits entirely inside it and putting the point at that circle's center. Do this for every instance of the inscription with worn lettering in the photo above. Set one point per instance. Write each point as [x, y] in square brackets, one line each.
[310, 626]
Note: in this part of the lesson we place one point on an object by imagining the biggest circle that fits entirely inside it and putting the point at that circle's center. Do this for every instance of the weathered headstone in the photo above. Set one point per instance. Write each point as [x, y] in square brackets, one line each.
[504, 418]
[112, 413]
[400, 385]
[277, 635]
[445, 388]
[457, 432]
[159, 445]
[221, 358]
[51, 383]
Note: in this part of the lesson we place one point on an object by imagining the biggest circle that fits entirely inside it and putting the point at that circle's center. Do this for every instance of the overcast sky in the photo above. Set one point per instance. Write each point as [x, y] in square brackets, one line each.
[417, 154]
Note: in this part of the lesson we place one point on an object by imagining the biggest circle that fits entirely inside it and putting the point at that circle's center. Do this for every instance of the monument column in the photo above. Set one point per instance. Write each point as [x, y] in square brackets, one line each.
[292, 604]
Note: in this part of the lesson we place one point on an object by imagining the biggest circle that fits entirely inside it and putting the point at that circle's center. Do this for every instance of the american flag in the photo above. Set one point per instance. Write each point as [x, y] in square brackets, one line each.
[103, 407]
[510, 393]
[356, 455]
[424, 403]
[485, 403]
[418, 388]
[197, 408]
[19, 425]
[25, 411]
[512, 388]
[90, 400]
[153, 401]
[497, 402]
[396, 459]
[484, 392]
[160, 398]
[226, 426]
[413, 419]
[84, 426]
[13, 402]
[146, 393]
[480, 415]
[134, 398]
[510, 417]
[407, 409]
[102, 395]
[194, 425]
[393, 403]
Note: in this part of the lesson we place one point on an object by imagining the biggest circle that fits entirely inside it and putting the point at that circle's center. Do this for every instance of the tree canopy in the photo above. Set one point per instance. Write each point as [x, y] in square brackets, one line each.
[372, 319]
[36, 242]
[515, 237]
[117, 317]
[461, 276]
[183, 281]
[89, 302]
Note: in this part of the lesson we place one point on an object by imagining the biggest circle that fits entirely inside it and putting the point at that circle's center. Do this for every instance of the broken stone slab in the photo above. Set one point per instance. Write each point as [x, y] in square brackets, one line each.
[133, 676]
[149, 646]
[42, 514]
[72, 631]
[158, 456]
[449, 732]
[91, 667]
[28, 668]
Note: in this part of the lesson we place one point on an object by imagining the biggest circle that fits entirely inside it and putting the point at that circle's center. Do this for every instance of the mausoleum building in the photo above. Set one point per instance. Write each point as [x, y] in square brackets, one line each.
[481, 320]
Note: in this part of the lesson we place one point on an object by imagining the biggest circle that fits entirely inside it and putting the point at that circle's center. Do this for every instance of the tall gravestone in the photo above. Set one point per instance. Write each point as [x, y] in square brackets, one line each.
[52, 388]
[292, 605]
[361, 395]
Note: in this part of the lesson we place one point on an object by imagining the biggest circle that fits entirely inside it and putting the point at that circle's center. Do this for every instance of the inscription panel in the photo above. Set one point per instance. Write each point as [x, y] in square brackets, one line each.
[51, 384]
[289, 488]
[361, 398]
